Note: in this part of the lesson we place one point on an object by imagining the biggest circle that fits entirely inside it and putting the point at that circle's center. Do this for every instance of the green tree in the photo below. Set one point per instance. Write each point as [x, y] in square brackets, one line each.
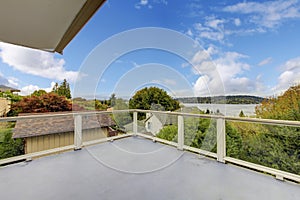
[38, 93]
[11, 96]
[112, 100]
[268, 145]
[121, 118]
[146, 97]
[99, 105]
[241, 114]
[285, 106]
[63, 89]
[9, 147]
[55, 88]
[168, 133]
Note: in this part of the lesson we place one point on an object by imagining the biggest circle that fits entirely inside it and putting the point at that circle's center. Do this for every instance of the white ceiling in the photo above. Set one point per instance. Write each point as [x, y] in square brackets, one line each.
[44, 24]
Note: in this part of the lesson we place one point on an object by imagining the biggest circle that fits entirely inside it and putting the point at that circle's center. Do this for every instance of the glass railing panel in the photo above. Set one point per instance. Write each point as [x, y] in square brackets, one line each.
[123, 121]
[161, 125]
[200, 133]
[97, 126]
[272, 146]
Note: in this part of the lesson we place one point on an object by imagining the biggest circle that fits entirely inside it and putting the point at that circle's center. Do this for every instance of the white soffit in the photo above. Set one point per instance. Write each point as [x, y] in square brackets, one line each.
[44, 24]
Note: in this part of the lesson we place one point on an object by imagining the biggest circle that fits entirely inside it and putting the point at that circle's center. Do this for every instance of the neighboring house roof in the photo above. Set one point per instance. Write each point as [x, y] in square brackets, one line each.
[47, 25]
[51, 125]
[4, 88]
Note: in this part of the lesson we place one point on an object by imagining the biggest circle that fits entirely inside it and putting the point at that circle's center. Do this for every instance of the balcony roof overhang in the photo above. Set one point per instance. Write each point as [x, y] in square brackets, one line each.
[44, 24]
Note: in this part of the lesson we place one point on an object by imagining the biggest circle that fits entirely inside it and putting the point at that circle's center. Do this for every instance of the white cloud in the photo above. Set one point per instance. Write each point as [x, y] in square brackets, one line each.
[13, 82]
[201, 86]
[265, 61]
[200, 56]
[144, 2]
[237, 22]
[268, 13]
[257, 17]
[49, 89]
[212, 35]
[214, 23]
[29, 89]
[190, 33]
[165, 2]
[202, 61]
[224, 75]
[293, 64]
[148, 4]
[200, 27]
[35, 62]
[212, 29]
[9, 81]
[290, 75]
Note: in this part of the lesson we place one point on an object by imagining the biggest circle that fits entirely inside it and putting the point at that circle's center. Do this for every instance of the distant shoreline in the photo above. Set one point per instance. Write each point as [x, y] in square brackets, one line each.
[232, 99]
[226, 109]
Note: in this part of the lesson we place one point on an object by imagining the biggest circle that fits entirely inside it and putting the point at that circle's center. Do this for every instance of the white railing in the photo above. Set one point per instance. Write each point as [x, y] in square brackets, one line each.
[221, 140]
[221, 137]
[78, 139]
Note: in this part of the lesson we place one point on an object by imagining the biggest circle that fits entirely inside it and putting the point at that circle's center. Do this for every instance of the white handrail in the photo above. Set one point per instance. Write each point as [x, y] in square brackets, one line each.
[207, 116]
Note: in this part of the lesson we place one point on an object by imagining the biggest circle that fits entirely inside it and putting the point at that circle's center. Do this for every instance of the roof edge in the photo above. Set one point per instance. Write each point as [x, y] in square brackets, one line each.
[83, 16]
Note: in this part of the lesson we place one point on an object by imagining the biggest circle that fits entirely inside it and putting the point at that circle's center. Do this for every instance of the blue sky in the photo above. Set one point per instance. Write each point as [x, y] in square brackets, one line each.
[253, 45]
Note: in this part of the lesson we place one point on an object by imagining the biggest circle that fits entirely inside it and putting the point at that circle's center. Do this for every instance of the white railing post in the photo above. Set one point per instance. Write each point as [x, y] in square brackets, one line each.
[135, 127]
[78, 132]
[180, 135]
[221, 140]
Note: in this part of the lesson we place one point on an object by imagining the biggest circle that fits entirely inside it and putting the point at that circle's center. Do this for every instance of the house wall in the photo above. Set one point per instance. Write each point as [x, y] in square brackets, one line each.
[153, 124]
[45, 142]
[94, 134]
[4, 106]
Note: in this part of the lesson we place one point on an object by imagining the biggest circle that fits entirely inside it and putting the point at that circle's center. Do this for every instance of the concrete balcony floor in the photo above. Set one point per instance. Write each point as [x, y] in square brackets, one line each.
[137, 168]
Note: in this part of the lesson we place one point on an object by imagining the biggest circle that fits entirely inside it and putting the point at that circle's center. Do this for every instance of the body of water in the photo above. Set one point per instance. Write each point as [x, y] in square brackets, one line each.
[226, 109]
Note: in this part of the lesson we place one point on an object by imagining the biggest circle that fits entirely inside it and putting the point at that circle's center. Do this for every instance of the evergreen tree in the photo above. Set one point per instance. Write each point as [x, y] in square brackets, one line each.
[63, 89]
[112, 100]
[241, 114]
[55, 88]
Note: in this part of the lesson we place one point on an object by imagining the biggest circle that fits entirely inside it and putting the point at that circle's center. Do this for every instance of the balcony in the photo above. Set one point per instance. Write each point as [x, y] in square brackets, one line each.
[138, 164]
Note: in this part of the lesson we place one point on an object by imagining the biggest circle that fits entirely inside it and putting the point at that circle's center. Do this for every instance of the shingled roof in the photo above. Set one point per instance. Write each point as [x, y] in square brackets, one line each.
[4, 88]
[44, 126]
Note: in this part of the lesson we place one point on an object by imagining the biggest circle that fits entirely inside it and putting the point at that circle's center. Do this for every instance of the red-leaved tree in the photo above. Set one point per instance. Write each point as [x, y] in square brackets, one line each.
[49, 102]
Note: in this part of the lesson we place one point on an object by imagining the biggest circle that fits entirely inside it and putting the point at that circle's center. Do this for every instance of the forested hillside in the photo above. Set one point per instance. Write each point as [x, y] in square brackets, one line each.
[237, 99]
